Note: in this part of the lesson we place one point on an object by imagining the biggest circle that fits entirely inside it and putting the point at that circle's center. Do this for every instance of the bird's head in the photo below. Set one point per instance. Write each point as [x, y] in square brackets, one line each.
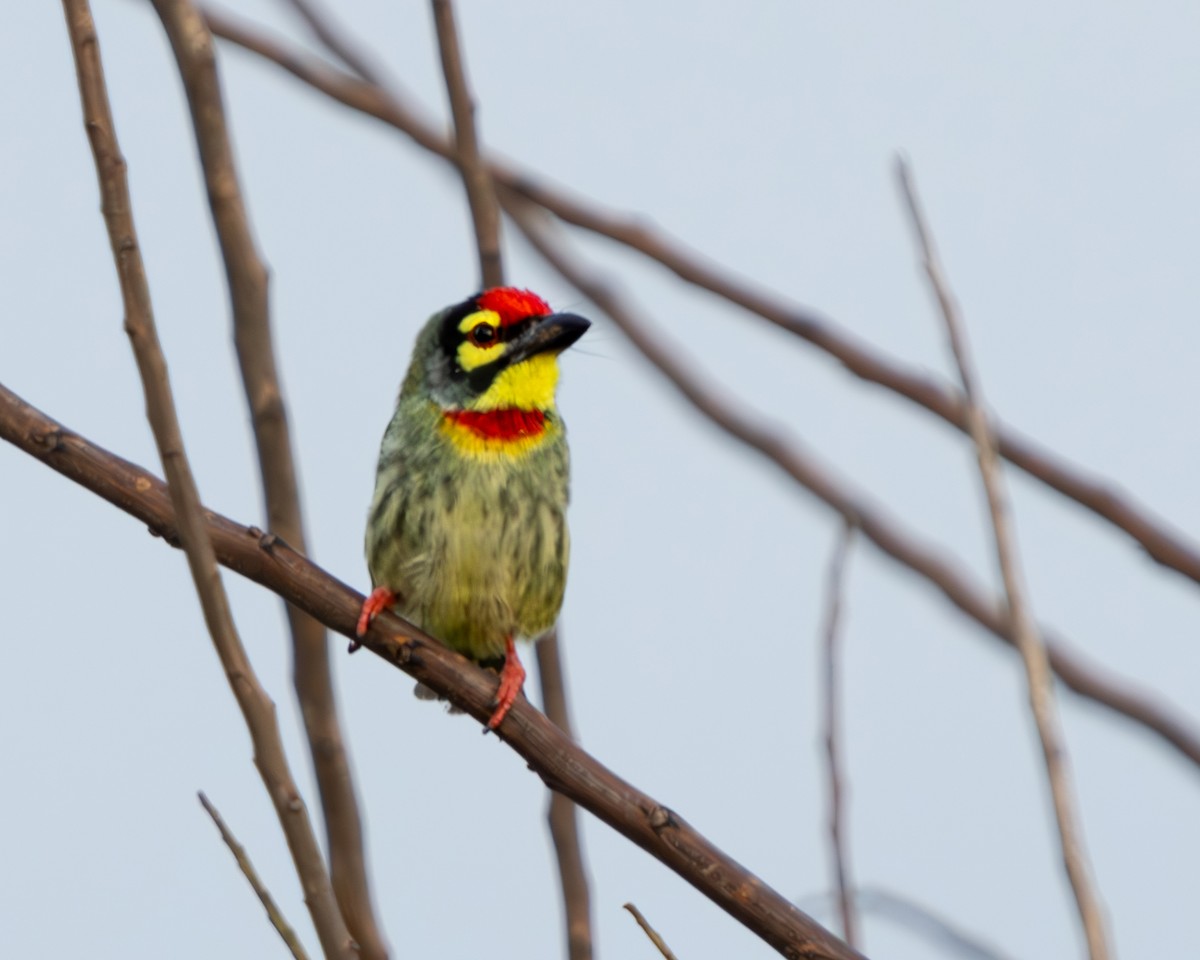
[497, 350]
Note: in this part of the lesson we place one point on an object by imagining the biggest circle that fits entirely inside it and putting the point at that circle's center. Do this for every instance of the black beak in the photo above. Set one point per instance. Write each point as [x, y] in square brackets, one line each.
[552, 334]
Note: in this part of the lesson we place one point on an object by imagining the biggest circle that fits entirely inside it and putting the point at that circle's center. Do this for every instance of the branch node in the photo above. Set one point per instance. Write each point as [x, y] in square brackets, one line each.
[660, 818]
[47, 441]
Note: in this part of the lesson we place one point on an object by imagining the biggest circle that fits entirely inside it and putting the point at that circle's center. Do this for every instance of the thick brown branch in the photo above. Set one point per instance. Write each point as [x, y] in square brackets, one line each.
[1161, 541]
[1025, 631]
[247, 280]
[481, 194]
[274, 914]
[561, 764]
[256, 705]
[886, 532]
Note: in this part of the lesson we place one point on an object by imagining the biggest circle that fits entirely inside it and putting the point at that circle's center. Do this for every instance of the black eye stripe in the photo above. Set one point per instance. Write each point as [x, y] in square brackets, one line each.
[486, 334]
[514, 330]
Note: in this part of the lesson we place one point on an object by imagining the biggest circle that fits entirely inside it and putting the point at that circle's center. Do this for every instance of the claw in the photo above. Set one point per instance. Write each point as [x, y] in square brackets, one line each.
[512, 678]
[380, 599]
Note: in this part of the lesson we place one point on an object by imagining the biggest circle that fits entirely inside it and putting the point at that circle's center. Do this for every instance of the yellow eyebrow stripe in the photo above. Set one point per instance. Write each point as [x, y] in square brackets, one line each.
[469, 355]
[472, 320]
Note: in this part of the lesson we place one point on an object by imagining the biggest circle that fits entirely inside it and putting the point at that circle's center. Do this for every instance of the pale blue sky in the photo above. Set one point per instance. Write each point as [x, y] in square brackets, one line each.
[1056, 149]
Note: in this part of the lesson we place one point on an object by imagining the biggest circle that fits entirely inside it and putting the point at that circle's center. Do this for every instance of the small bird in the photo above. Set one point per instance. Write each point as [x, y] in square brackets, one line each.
[467, 534]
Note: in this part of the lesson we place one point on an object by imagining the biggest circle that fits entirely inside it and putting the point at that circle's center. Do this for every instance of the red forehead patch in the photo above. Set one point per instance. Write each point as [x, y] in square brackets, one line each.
[512, 305]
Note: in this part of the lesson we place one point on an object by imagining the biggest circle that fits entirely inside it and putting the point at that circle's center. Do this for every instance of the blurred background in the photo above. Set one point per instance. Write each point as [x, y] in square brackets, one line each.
[1056, 151]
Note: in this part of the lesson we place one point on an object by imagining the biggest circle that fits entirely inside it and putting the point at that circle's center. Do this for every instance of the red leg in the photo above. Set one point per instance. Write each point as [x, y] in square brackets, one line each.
[380, 599]
[512, 677]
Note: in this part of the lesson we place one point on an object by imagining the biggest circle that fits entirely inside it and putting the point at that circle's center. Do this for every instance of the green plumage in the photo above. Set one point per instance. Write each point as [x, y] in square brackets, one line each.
[474, 545]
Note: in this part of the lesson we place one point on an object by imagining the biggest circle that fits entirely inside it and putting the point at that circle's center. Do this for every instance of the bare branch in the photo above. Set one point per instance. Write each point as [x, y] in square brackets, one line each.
[549, 752]
[256, 705]
[247, 281]
[274, 914]
[650, 932]
[1025, 631]
[564, 824]
[1158, 537]
[887, 533]
[481, 194]
[334, 41]
[832, 688]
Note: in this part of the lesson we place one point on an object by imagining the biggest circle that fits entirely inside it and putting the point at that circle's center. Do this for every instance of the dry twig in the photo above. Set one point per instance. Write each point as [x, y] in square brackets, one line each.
[561, 815]
[549, 752]
[481, 194]
[274, 914]
[335, 41]
[887, 533]
[832, 686]
[1161, 541]
[1024, 629]
[953, 940]
[256, 705]
[247, 281]
[650, 932]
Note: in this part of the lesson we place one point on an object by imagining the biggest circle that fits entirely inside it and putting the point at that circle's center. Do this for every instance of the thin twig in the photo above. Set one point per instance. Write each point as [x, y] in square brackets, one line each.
[1157, 536]
[481, 194]
[1025, 631]
[550, 753]
[951, 938]
[256, 705]
[650, 932]
[248, 291]
[326, 31]
[832, 687]
[274, 914]
[884, 531]
[561, 815]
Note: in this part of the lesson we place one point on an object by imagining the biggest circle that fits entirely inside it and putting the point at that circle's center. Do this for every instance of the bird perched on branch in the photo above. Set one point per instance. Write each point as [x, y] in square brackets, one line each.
[467, 534]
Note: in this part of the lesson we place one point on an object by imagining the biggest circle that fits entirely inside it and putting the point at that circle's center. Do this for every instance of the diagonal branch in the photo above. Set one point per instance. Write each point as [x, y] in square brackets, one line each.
[549, 752]
[274, 914]
[883, 530]
[1157, 536]
[1025, 631]
[184, 500]
[247, 282]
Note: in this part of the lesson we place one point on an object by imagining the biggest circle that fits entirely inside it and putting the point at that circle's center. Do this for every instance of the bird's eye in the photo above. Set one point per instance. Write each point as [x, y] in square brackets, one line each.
[482, 335]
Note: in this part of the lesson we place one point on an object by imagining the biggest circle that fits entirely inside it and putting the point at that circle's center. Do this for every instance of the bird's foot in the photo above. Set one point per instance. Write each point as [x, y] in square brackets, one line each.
[512, 678]
[380, 599]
